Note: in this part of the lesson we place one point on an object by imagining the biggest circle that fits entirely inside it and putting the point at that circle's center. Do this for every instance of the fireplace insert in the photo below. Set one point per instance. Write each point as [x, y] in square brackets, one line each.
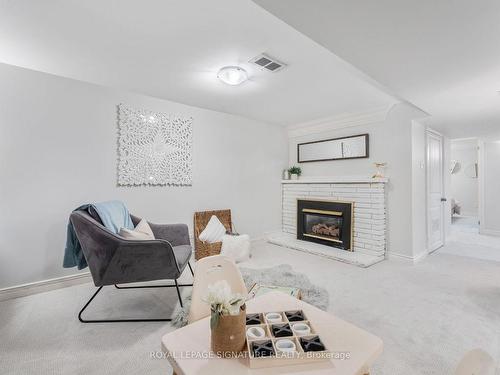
[325, 222]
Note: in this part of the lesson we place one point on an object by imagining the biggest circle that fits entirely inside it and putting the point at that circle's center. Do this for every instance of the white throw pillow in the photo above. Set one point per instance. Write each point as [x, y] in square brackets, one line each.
[214, 231]
[236, 247]
[144, 227]
[141, 232]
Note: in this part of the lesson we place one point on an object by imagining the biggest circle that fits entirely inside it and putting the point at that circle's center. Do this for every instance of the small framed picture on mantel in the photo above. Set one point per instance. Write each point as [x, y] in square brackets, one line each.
[351, 147]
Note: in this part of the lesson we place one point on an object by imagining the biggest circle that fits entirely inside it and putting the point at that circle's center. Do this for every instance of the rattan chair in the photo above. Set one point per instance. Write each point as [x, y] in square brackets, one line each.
[201, 219]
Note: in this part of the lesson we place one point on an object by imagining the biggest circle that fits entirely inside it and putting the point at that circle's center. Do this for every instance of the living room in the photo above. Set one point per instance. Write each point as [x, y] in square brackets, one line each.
[311, 148]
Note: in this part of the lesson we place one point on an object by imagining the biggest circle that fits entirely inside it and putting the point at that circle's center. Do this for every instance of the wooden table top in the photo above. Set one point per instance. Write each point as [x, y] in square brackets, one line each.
[188, 348]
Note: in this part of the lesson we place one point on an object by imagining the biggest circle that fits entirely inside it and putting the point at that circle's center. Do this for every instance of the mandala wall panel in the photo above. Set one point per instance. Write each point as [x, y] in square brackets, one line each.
[153, 148]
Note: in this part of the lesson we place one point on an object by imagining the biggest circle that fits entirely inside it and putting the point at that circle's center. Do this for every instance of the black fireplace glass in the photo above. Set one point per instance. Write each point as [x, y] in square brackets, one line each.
[324, 226]
[325, 222]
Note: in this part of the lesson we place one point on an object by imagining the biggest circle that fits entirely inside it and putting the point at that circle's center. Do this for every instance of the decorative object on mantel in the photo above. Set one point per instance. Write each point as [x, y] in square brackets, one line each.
[380, 170]
[352, 147]
[154, 148]
[295, 172]
[285, 175]
[227, 321]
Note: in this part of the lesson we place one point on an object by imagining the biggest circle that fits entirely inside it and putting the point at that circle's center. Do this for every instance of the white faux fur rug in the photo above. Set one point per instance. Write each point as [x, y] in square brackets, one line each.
[282, 275]
[428, 316]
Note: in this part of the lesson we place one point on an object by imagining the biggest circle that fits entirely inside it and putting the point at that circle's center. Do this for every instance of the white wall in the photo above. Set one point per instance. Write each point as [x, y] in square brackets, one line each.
[490, 223]
[58, 150]
[391, 142]
[419, 189]
[464, 188]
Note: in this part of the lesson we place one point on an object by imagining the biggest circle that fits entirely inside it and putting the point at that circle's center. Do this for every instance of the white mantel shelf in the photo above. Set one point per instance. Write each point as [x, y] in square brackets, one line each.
[338, 180]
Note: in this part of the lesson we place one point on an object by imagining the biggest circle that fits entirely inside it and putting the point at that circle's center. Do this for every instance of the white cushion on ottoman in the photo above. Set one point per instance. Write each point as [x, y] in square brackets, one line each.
[236, 247]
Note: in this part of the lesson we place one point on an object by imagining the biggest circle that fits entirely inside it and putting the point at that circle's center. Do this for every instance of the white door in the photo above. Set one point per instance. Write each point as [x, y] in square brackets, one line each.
[435, 191]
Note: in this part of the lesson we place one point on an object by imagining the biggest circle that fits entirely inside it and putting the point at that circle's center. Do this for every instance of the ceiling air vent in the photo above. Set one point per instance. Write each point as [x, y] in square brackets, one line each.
[268, 63]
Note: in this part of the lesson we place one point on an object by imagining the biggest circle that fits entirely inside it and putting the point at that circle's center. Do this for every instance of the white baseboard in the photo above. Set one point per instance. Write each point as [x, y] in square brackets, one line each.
[392, 255]
[408, 258]
[417, 258]
[257, 239]
[270, 233]
[57, 283]
[490, 232]
[44, 286]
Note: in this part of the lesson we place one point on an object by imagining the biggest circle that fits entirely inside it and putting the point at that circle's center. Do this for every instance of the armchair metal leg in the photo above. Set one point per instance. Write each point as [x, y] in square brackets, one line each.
[191, 269]
[88, 303]
[177, 285]
[179, 292]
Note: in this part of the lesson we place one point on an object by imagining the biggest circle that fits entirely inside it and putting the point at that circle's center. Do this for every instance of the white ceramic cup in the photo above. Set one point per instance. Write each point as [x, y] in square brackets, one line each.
[285, 346]
[274, 317]
[301, 329]
[256, 333]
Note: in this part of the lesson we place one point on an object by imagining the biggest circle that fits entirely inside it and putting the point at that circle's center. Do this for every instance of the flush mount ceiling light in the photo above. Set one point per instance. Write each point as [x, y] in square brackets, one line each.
[232, 75]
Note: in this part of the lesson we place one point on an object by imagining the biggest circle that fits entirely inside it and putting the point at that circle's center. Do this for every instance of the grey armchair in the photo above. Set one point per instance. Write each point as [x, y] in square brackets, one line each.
[113, 260]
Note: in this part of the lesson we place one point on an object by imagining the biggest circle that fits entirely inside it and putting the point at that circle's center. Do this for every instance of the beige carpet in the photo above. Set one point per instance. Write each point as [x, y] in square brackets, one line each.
[428, 315]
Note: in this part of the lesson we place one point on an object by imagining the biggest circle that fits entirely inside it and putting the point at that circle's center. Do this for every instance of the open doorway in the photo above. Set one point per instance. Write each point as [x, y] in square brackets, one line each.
[473, 191]
[464, 187]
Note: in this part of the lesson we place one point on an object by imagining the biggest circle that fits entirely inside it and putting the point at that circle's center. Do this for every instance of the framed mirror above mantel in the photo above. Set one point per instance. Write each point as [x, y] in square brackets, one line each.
[351, 147]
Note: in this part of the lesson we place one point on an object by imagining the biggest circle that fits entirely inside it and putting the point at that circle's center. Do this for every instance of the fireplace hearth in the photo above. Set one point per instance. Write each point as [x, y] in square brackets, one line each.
[325, 222]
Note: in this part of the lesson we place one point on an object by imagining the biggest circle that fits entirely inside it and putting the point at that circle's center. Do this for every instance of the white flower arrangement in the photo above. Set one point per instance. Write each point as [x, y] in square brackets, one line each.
[223, 301]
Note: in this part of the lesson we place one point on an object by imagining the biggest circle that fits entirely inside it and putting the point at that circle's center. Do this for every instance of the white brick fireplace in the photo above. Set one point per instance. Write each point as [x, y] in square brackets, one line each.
[369, 219]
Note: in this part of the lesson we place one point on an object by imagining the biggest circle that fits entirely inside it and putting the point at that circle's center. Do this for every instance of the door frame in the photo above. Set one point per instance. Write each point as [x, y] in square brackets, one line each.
[480, 183]
[431, 132]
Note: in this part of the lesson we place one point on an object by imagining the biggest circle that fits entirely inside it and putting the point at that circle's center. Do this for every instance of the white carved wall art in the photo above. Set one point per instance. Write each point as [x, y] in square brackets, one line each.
[153, 148]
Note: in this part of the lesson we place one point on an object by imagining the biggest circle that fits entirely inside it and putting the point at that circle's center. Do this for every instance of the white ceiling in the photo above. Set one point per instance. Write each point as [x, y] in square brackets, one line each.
[173, 50]
[441, 55]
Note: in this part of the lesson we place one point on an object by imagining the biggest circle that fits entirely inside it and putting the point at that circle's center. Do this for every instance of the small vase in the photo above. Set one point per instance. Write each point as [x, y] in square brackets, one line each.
[228, 337]
[380, 167]
[295, 176]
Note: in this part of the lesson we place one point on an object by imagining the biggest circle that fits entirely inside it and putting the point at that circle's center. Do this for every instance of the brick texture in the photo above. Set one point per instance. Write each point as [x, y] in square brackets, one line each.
[369, 210]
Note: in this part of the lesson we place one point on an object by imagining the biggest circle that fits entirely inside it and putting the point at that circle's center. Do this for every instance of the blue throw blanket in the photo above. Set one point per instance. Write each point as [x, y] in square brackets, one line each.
[114, 216]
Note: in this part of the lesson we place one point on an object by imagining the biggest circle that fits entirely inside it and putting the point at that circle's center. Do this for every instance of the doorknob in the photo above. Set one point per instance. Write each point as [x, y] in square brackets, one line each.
[443, 199]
